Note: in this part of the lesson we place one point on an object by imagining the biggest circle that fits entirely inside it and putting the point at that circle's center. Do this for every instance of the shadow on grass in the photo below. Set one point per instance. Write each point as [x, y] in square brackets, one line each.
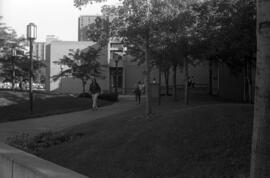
[209, 141]
[45, 107]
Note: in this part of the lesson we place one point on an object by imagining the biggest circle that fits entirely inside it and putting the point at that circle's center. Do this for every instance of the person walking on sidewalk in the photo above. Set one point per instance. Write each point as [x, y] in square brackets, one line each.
[95, 90]
[137, 93]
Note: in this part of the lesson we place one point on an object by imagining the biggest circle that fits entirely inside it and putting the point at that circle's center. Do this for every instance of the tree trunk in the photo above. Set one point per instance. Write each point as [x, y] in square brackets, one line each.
[245, 89]
[260, 159]
[166, 77]
[186, 99]
[174, 82]
[147, 79]
[218, 78]
[31, 77]
[83, 85]
[159, 85]
[249, 81]
[210, 90]
[13, 72]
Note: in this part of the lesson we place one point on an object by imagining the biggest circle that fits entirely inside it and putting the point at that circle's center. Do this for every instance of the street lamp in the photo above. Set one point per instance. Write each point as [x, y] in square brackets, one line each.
[14, 53]
[31, 36]
[61, 82]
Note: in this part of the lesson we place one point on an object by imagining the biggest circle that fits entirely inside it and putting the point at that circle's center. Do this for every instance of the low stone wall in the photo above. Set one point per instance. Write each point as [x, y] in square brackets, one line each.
[15, 163]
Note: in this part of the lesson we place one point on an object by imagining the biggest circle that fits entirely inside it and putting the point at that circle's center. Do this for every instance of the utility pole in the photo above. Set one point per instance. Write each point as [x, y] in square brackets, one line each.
[31, 36]
[148, 87]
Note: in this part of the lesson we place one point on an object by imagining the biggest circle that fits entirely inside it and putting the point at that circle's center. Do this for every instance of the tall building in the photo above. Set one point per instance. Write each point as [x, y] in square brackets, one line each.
[51, 38]
[39, 51]
[39, 54]
[83, 23]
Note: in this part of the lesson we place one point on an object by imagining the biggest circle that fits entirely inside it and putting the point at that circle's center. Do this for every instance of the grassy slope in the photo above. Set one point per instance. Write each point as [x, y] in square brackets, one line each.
[42, 105]
[204, 141]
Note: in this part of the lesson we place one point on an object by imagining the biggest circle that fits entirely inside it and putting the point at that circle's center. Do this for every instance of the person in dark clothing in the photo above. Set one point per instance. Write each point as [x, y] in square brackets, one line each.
[137, 93]
[192, 82]
[95, 90]
[20, 85]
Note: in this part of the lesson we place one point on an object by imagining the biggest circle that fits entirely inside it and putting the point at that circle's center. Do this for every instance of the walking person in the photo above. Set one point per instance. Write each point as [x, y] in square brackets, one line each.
[188, 81]
[192, 82]
[95, 90]
[137, 93]
[142, 87]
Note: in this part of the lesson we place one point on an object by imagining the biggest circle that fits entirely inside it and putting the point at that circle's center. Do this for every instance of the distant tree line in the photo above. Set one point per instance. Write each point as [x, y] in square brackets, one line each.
[14, 57]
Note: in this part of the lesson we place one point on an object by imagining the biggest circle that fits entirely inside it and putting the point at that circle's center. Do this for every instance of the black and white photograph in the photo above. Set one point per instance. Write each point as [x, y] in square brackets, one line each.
[134, 88]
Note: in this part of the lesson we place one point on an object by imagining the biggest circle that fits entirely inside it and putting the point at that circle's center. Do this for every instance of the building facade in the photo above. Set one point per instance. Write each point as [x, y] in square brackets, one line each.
[55, 51]
[121, 73]
[39, 54]
[39, 51]
[51, 38]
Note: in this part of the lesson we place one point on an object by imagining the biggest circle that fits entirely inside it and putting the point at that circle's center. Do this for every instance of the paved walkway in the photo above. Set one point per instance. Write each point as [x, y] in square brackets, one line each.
[63, 121]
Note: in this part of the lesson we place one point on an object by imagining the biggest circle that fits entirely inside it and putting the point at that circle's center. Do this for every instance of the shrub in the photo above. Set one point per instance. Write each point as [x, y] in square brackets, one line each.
[36, 144]
[84, 95]
[103, 96]
[109, 96]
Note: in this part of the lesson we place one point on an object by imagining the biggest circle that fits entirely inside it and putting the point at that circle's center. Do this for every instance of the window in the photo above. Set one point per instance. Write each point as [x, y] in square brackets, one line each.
[116, 45]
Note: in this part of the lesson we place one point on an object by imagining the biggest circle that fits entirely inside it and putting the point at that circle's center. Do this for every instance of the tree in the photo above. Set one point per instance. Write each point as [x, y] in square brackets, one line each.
[14, 60]
[81, 64]
[133, 24]
[4, 35]
[99, 31]
[142, 23]
[183, 41]
[227, 35]
[242, 43]
[260, 158]
[208, 28]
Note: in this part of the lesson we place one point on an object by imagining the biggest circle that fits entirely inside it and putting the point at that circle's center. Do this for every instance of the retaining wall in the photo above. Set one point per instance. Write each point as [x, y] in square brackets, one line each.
[15, 163]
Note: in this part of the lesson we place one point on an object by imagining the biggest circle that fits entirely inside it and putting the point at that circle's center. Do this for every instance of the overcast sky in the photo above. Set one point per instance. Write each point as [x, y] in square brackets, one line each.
[52, 17]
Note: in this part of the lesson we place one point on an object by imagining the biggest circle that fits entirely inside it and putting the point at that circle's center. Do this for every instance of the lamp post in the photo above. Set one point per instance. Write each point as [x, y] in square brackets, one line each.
[14, 53]
[61, 82]
[31, 36]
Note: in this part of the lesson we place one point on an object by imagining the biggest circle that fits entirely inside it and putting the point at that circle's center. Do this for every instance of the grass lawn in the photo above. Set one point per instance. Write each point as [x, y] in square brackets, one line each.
[211, 141]
[15, 105]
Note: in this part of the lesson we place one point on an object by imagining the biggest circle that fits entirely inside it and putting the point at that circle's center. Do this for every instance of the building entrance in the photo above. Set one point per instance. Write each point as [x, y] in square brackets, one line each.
[116, 79]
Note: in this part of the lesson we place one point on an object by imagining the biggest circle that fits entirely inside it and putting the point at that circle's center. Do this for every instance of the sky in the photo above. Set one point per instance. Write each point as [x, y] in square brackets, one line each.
[52, 17]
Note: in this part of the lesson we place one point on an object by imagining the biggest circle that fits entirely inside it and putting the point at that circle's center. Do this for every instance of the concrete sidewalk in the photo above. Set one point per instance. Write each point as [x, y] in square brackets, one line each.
[63, 121]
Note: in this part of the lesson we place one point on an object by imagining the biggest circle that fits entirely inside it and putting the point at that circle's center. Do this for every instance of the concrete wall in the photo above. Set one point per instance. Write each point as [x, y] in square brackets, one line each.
[15, 163]
[48, 68]
[232, 85]
[199, 71]
[133, 74]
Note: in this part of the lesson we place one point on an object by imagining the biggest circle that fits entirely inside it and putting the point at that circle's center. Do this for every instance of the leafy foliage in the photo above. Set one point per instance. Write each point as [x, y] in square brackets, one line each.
[36, 144]
[18, 62]
[218, 31]
[99, 31]
[81, 64]
[227, 31]
[103, 96]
